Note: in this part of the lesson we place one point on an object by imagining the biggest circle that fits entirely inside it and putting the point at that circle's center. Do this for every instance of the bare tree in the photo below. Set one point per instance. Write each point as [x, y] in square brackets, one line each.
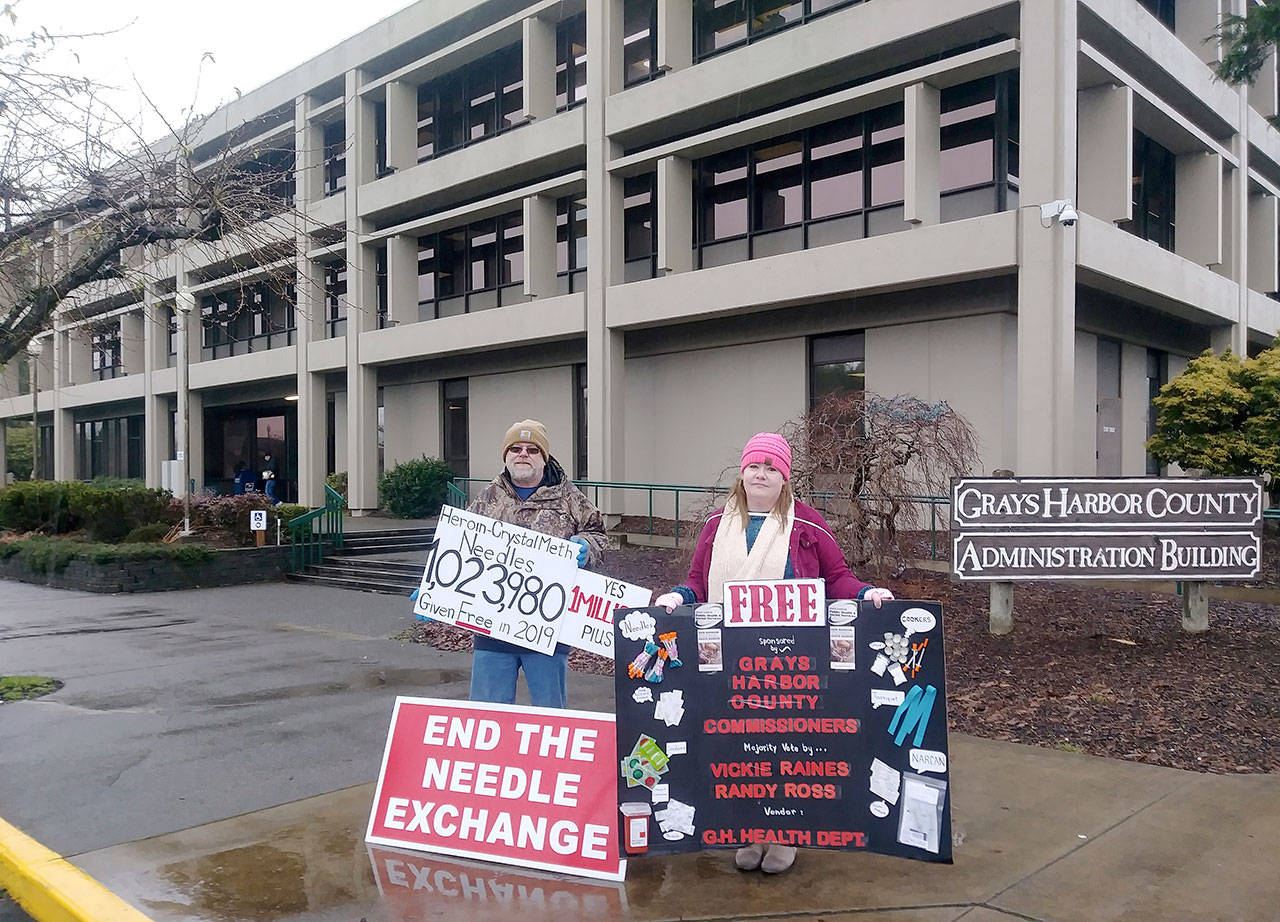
[869, 461]
[87, 201]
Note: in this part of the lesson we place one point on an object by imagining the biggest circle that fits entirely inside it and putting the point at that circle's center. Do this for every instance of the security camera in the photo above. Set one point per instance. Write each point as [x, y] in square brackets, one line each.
[1060, 209]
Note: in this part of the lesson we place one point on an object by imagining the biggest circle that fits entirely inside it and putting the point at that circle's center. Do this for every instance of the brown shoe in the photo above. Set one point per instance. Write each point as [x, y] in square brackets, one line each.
[778, 859]
[748, 857]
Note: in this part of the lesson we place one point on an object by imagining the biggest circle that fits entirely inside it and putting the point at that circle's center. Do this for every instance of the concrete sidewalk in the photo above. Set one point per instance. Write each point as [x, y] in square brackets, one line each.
[212, 754]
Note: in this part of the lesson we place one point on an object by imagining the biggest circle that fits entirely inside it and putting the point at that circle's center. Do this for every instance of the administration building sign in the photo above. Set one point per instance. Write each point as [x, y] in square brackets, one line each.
[1119, 528]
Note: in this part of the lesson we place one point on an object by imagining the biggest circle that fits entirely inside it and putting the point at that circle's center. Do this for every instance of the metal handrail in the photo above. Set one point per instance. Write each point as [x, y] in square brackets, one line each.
[307, 541]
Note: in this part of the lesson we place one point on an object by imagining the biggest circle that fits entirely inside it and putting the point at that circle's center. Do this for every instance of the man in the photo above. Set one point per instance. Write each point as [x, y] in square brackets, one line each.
[532, 491]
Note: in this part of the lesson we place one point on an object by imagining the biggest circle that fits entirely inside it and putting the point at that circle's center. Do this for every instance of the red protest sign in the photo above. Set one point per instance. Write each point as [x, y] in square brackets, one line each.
[531, 787]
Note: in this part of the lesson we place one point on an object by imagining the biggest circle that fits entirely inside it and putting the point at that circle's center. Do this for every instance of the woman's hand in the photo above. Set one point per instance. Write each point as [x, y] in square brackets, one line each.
[877, 595]
[669, 600]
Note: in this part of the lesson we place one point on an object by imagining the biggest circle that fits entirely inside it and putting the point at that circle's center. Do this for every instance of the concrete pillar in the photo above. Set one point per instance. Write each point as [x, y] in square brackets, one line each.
[675, 34]
[606, 380]
[1000, 619]
[1240, 214]
[1133, 410]
[675, 215]
[1196, 20]
[309, 314]
[308, 155]
[402, 125]
[1045, 410]
[539, 215]
[1106, 157]
[539, 68]
[1198, 194]
[1264, 243]
[64, 449]
[922, 154]
[402, 279]
[1262, 94]
[1195, 607]
[155, 407]
[362, 315]
[195, 457]
[64, 460]
[132, 332]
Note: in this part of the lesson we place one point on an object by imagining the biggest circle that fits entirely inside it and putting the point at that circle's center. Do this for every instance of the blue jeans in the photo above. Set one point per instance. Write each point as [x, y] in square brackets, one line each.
[493, 676]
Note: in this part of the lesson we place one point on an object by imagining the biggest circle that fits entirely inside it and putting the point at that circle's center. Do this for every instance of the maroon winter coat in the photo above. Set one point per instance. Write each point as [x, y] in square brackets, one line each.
[814, 554]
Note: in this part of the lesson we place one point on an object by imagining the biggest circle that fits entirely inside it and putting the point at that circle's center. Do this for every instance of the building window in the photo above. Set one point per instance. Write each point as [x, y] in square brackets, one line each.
[382, 434]
[24, 374]
[105, 343]
[471, 268]
[580, 470]
[330, 434]
[835, 182]
[380, 139]
[382, 294]
[719, 25]
[978, 169]
[837, 365]
[1161, 10]
[335, 298]
[110, 448]
[453, 418]
[639, 41]
[335, 158]
[1157, 377]
[252, 319]
[46, 453]
[1153, 193]
[478, 101]
[172, 323]
[267, 180]
[571, 244]
[640, 226]
[571, 62]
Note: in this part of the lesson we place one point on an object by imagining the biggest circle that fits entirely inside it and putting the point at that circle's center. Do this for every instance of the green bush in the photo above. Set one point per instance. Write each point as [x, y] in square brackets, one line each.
[227, 515]
[286, 513]
[338, 482]
[110, 513]
[415, 489]
[146, 534]
[41, 505]
[117, 483]
[52, 555]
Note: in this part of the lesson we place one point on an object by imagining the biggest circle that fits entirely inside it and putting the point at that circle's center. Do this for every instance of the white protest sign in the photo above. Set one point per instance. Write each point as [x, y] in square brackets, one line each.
[258, 520]
[497, 579]
[592, 602]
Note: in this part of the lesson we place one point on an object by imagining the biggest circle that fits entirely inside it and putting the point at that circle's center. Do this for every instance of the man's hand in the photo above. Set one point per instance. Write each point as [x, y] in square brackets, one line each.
[583, 549]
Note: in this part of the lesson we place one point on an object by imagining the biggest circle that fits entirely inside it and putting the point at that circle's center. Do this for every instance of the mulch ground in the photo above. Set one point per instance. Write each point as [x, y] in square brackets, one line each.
[1090, 670]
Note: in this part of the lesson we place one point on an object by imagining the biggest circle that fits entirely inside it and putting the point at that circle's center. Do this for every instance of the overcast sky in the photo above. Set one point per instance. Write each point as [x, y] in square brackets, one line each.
[163, 43]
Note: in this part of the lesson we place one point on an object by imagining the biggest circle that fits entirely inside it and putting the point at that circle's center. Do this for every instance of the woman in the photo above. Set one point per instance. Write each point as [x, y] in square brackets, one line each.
[764, 533]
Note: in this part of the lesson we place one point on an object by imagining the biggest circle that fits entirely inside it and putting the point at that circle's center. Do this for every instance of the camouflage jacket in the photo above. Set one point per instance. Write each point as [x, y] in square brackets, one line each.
[556, 508]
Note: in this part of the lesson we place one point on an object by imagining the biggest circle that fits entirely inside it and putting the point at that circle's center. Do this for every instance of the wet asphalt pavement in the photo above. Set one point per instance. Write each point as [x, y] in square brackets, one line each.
[212, 754]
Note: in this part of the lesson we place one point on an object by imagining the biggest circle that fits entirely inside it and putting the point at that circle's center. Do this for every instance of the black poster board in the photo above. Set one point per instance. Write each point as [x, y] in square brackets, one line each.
[770, 734]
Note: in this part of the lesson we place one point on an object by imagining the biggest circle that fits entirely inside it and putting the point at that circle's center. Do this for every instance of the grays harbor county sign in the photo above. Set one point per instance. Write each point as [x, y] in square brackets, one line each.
[1050, 528]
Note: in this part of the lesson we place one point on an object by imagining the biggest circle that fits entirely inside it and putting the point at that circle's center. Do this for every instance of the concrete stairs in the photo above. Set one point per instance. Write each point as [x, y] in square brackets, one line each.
[388, 561]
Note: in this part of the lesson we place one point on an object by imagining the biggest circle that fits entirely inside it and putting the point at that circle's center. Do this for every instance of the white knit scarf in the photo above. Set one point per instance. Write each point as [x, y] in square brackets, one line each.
[729, 557]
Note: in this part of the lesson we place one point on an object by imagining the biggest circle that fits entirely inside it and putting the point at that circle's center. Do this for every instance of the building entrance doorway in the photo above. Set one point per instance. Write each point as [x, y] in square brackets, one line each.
[242, 443]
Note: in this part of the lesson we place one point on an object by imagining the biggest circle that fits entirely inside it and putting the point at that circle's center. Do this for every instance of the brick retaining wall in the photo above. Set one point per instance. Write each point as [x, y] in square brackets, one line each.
[225, 568]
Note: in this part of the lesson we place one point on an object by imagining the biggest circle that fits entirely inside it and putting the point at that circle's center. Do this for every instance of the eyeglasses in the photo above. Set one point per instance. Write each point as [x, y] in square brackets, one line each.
[531, 450]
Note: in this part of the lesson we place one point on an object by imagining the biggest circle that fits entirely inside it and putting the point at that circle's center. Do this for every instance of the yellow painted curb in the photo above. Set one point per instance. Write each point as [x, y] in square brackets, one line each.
[52, 889]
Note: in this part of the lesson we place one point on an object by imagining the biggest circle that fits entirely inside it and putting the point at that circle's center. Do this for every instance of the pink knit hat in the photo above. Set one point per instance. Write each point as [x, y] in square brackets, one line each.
[770, 447]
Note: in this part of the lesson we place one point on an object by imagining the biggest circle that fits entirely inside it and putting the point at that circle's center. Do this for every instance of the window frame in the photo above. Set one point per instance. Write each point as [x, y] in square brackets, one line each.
[753, 10]
[469, 298]
[464, 83]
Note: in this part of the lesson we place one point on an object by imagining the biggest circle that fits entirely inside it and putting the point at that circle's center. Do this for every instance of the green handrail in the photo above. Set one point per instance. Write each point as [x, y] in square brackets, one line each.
[310, 532]
[456, 495]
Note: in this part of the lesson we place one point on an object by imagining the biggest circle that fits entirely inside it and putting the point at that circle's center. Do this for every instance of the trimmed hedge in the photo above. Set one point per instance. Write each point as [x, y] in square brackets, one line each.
[53, 555]
[415, 489]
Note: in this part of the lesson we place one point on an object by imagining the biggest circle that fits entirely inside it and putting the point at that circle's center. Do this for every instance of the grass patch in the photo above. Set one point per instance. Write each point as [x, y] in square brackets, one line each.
[22, 687]
[1067, 746]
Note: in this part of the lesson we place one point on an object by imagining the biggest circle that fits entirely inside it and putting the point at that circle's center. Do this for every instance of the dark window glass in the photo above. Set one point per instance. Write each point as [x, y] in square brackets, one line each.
[475, 102]
[1161, 9]
[335, 298]
[426, 273]
[482, 100]
[380, 138]
[1157, 377]
[1153, 193]
[724, 191]
[105, 448]
[105, 352]
[510, 86]
[471, 268]
[779, 198]
[381, 293]
[335, 158]
[968, 132]
[640, 226]
[454, 434]
[571, 243]
[722, 24]
[571, 62]
[451, 113]
[511, 253]
[426, 121]
[887, 153]
[639, 41]
[837, 364]
[482, 260]
[835, 168]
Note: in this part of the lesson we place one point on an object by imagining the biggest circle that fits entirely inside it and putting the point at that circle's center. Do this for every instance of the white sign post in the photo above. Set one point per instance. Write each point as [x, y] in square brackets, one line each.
[258, 520]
